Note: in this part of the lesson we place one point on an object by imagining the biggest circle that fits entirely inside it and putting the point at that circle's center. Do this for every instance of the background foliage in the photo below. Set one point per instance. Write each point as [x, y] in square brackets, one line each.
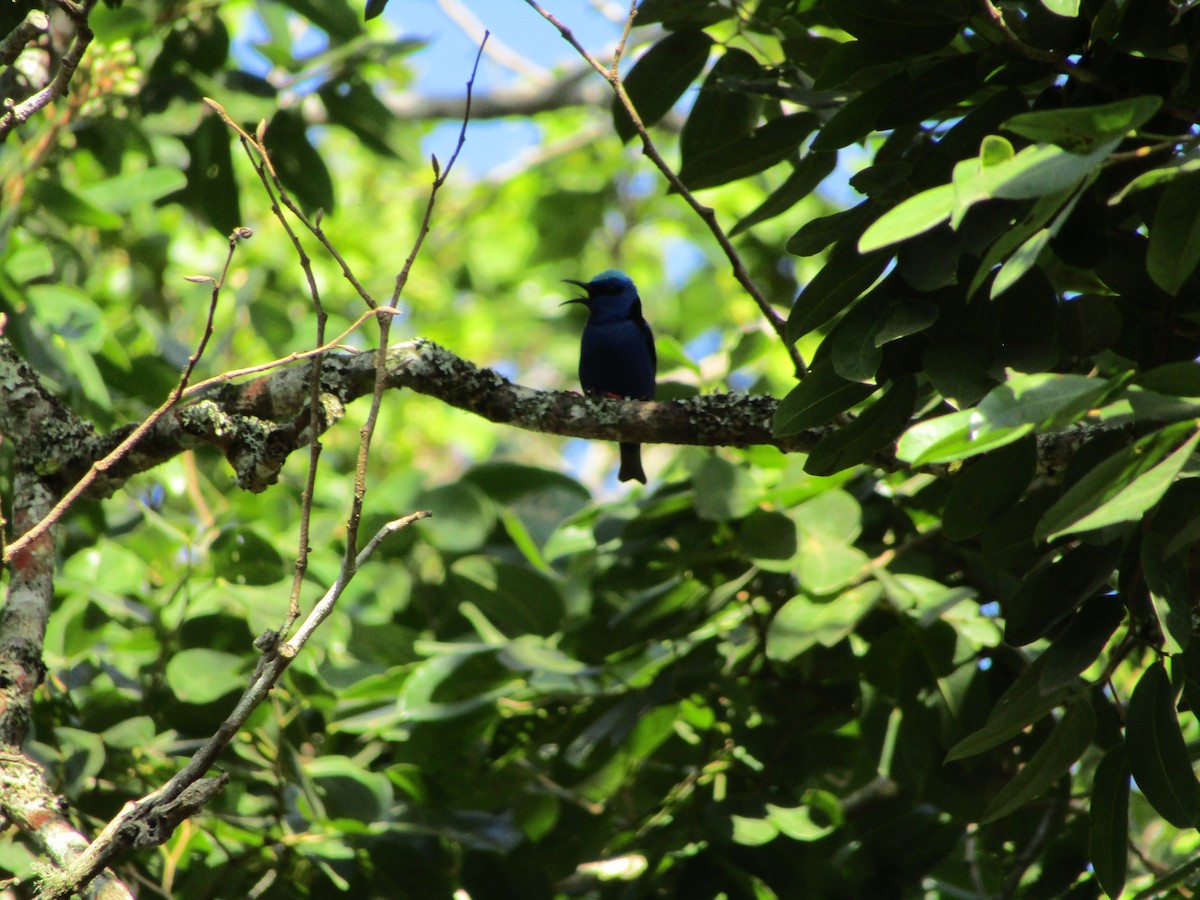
[923, 659]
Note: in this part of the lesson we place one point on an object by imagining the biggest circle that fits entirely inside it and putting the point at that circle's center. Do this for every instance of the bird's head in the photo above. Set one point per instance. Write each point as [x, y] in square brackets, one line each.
[611, 293]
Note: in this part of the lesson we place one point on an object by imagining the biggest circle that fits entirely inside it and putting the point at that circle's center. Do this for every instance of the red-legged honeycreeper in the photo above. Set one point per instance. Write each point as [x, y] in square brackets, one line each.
[616, 353]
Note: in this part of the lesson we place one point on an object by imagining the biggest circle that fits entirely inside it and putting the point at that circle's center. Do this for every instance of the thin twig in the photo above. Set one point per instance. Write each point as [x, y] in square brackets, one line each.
[17, 114]
[101, 466]
[996, 17]
[706, 213]
[298, 355]
[313, 226]
[620, 50]
[123, 831]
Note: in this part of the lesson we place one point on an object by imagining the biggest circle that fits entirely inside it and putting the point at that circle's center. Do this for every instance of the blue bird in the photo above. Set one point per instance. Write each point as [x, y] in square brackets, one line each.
[616, 353]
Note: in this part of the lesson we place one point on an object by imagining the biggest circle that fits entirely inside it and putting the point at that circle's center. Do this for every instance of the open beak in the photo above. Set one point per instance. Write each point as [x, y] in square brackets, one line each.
[582, 284]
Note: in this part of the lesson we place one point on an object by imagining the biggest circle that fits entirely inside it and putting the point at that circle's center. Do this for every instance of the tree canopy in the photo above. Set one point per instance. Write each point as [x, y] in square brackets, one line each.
[318, 577]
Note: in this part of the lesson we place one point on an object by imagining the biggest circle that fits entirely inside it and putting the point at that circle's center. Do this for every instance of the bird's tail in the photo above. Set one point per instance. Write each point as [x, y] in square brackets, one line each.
[631, 463]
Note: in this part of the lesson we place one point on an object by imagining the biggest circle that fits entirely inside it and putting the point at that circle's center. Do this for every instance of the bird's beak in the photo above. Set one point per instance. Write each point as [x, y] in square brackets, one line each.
[582, 284]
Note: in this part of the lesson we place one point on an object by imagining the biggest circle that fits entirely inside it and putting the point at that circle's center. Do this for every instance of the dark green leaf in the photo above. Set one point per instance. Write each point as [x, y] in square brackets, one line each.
[844, 277]
[818, 234]
[462, 517]
[353, 105]
[659, 78]
[1175, 235]
[817, 399]
[988, 486]
[1170, 592]
[1108, 822]
[374, 9]
[1081, 129]
[724, 110]
[899, 26]
[71, 207]
[1083, 640]
[857, 119]
[876, 427]
[769, 538]
[1124, 486]
[764, 147]
[1054, 590]
[1018, 707]
[809, 173]
[334, 17]
[298, 163]
[1061, 749]
[1158, 757]
[243, 556]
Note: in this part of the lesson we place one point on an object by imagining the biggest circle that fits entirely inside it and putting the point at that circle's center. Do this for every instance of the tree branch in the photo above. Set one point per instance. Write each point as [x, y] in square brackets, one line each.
[16, 114]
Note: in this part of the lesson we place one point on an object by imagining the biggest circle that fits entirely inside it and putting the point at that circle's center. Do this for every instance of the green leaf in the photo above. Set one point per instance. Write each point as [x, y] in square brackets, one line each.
[808, 173]
[123, 192]
[1108, 822]
[298, 162]
[1026, 403]
[802, 622]
[243, 556]
[822, 395]
[1174, 249]
[1018, 707]
[985, 488]
[894, 24]
[724, 110]
[1083, 640]
[751, 832]
[843, 278]
[876, 427]
[203, 676]
[462, 519]
[72, 208]
[1063, 746]
[797, 823]
[1177, 167]
[759, 150]
[723, 491]
[914, 216]
[1158, 756]
[769, 538]
[1082, 129]
[1053, 591]
[659, 78]
[1124, 486]
[374, 9]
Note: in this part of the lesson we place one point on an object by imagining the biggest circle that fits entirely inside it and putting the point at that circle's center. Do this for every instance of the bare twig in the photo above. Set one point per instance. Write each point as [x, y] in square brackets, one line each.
[101, 466]
[333, 344]
[498, 51]
[141, 822]
[381, 369]
[17, 114]
[706, 213]
[996, 17]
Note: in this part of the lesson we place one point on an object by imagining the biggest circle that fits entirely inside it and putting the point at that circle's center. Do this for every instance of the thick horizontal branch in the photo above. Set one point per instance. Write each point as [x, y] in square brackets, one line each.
[258, 424]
